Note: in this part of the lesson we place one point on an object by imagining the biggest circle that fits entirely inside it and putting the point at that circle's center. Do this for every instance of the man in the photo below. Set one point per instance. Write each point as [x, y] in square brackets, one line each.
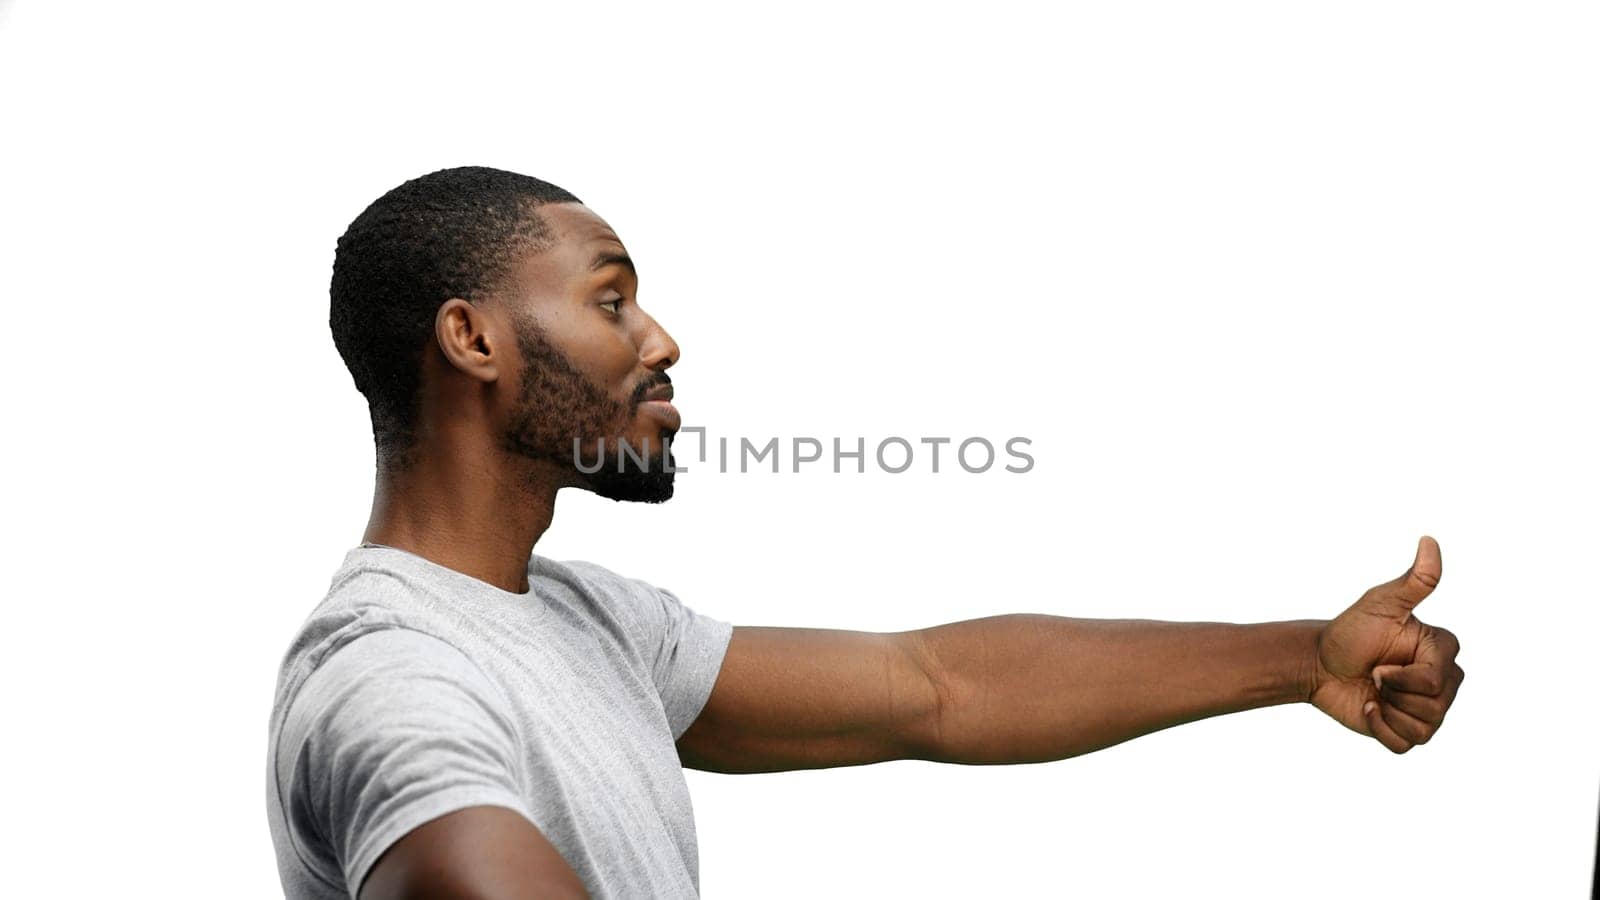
[463, 718]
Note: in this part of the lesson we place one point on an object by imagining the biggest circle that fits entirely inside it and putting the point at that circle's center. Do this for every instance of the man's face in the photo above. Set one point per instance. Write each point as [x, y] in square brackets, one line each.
[592, 361]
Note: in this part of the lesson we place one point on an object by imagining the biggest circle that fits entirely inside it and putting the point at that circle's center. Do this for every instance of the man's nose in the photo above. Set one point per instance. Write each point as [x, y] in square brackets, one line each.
[658, 351]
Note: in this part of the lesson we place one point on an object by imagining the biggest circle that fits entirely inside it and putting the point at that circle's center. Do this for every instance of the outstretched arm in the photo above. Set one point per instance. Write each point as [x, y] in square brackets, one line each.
[1032, 688]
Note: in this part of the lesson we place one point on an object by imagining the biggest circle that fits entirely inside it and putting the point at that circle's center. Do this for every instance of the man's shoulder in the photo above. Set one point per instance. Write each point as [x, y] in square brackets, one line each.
[635, 611]
[578, 569]
[364, 595]
[603, 585]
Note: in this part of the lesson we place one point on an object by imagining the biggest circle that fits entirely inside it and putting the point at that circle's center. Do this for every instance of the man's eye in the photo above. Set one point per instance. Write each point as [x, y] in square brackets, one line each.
[613, 304]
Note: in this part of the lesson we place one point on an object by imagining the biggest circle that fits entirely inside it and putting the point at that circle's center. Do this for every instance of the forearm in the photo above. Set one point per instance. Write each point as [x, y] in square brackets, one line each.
[1032, 688]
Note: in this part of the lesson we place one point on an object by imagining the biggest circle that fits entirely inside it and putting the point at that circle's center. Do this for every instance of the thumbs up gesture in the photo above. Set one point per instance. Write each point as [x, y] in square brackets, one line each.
[1383, 673]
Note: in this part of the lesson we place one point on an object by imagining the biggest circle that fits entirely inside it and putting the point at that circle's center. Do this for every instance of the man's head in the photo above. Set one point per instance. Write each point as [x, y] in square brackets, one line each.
[482, 299]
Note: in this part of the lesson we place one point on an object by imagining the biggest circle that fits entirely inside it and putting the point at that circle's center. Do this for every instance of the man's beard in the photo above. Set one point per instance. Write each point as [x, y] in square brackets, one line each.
[558, 405]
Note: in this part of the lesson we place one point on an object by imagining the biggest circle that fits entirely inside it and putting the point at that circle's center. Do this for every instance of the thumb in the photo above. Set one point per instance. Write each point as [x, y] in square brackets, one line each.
[1401, 595]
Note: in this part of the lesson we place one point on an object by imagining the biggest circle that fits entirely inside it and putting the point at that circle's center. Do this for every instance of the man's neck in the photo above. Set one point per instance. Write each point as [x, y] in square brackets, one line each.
[480, 521]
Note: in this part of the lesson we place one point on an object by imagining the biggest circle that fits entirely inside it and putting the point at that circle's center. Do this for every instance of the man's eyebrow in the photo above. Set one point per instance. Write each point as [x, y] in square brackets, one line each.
[607, 258]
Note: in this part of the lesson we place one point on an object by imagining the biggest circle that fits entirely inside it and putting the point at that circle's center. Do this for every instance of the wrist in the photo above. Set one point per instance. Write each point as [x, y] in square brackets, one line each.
[1283, 662]
[1308, 658]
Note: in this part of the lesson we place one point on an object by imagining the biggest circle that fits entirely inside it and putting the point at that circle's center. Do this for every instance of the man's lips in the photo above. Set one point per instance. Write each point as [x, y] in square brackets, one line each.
[658, 402]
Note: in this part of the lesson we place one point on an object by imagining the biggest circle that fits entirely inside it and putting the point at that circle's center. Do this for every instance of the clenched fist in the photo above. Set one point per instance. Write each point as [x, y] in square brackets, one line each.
[1381, 671]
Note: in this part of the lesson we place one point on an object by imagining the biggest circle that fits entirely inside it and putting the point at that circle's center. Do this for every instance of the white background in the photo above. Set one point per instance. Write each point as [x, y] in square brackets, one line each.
[1274, 289]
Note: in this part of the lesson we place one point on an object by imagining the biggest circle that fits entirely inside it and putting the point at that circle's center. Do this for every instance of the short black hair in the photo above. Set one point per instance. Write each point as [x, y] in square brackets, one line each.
[450, 233]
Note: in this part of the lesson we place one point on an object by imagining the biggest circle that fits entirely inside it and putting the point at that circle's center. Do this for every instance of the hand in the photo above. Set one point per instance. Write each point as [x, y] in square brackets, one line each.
[1380, 671]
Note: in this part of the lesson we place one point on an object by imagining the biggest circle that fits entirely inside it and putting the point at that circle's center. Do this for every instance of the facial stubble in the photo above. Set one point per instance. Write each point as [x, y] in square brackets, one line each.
[560, 413]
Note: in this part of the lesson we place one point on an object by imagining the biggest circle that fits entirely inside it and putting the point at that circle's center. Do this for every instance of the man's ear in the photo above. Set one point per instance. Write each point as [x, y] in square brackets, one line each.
[470, 339]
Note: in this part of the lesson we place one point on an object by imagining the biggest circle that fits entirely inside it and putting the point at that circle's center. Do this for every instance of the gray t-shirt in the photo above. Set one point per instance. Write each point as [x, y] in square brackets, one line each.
[414, 690]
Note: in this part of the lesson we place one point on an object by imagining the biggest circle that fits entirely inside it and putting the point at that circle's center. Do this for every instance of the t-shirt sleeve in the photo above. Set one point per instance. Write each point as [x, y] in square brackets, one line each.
[686, 649]
[392, 730]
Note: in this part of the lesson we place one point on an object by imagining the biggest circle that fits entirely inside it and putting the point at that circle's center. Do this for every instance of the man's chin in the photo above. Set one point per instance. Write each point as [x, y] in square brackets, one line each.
[631, 487]
[622, 471]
